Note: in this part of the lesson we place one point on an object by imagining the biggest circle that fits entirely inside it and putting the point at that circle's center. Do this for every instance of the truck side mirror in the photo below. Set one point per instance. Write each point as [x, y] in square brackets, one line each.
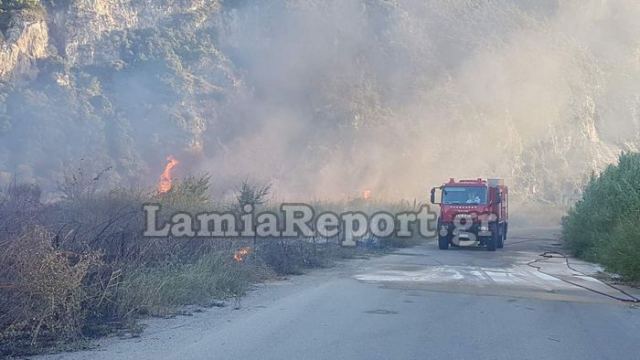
[433, 196]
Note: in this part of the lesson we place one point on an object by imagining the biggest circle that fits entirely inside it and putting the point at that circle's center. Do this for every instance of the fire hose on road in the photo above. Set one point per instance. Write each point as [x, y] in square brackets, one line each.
[550, 254]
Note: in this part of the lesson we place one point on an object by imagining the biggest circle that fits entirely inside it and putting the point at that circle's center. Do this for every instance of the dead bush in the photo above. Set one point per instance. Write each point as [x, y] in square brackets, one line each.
[19, 207]
[291, 256]
[41, 292]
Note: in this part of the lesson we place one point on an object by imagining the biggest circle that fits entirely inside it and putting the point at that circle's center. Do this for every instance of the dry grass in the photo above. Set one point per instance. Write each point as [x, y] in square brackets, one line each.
[42, 293]
[80, 268]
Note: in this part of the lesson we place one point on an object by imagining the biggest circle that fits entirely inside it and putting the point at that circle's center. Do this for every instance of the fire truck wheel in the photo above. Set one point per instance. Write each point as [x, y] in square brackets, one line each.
[443, 242]
[501, 237]
[492, 241]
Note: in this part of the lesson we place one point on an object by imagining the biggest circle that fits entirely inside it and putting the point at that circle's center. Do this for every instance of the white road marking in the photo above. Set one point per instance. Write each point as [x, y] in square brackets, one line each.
[519, 275]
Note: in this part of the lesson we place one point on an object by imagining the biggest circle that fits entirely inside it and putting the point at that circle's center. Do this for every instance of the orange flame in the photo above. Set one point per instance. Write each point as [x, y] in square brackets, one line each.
[241, 254]
[366, 194]
[165, 183]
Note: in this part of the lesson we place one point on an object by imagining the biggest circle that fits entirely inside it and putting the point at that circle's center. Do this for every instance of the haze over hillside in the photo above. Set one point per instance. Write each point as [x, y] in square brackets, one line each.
[321, 98]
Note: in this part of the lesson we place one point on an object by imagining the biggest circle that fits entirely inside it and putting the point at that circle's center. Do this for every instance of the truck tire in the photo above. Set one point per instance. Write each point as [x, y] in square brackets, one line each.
[443, 242]
[492, 241]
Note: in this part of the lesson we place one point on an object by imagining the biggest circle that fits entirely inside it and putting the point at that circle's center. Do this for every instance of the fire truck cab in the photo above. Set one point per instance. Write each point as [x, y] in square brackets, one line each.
[472, 213]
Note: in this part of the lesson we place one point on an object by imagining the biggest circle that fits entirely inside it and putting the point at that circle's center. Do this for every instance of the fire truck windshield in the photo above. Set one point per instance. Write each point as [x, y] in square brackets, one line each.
[458, 195]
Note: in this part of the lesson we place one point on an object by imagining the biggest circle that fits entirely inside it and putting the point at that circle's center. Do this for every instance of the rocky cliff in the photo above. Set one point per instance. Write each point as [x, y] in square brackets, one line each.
[25, 40]
[85, 79]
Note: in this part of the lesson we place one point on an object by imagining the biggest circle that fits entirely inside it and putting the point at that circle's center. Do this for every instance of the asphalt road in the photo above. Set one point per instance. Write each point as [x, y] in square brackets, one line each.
[418, 303]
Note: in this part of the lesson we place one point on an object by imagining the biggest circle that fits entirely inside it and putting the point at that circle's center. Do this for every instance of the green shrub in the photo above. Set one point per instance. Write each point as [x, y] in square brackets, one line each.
[602, 226]
[621, 252]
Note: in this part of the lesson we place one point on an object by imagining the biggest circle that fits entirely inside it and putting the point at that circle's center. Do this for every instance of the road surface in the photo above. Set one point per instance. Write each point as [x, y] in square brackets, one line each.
[418, 303]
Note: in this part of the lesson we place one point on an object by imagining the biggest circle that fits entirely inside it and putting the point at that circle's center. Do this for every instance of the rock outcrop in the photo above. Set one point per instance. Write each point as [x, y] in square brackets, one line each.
[25, 41]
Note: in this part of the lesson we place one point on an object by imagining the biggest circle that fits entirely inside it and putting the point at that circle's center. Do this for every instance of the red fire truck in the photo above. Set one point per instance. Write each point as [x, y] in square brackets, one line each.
[472, 213]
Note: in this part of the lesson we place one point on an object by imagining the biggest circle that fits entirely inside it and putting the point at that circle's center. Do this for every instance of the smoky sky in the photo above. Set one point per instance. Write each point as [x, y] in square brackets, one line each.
[396, 96]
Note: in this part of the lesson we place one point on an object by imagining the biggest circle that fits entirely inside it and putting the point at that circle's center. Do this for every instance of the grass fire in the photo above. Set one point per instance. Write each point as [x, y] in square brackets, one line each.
[241, 254]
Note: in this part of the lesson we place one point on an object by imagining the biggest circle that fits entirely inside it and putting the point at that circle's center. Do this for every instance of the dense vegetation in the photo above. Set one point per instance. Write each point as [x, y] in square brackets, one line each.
[603, 226]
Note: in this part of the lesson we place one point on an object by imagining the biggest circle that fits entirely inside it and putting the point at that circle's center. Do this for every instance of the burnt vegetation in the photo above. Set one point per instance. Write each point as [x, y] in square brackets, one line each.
[78, 267]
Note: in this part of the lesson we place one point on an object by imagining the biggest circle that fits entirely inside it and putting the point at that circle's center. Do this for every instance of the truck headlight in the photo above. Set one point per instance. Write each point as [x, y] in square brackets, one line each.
[484, 228]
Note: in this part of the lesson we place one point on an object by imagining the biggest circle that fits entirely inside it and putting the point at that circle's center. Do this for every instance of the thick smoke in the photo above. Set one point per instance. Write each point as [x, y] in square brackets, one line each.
[325, 99]
[396, 96]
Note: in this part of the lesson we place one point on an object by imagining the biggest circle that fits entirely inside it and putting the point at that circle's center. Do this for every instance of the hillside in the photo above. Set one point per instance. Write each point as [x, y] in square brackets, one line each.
[321, 98]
